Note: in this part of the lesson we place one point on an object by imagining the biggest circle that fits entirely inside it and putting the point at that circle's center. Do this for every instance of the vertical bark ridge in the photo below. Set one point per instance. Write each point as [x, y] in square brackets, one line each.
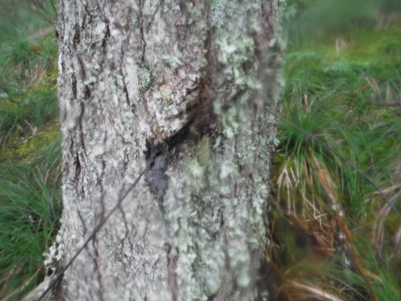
[182, 85]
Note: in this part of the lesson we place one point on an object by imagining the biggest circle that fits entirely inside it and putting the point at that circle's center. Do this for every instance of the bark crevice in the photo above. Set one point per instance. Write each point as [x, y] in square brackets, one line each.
[180, 87]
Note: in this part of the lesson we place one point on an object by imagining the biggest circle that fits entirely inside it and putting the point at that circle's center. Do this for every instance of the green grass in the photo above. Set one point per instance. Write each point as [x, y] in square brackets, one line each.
[28, 96]
[30, 208]
[343, 85]
[30, 148]
[350, 99]
[384, 283]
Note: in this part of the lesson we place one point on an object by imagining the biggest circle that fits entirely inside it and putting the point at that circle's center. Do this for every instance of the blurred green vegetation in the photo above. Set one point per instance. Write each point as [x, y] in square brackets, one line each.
[25, 17]
[343, 85]
[308, 20]
[30, 151]
[346, 89]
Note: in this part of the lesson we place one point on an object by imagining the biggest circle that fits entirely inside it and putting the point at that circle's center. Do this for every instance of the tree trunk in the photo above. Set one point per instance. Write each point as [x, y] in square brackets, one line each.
[182, 86]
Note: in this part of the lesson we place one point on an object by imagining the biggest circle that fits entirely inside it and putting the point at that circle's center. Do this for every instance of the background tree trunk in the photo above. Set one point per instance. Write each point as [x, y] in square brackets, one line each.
[182, 86]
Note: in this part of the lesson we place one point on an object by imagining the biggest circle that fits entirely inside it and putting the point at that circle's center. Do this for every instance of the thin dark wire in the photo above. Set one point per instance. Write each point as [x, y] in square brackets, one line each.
[341, 157]
[95, 230]
[104, 220]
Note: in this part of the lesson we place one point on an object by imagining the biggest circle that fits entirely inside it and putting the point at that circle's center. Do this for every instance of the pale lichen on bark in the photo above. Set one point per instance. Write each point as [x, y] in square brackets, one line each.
[181, 85]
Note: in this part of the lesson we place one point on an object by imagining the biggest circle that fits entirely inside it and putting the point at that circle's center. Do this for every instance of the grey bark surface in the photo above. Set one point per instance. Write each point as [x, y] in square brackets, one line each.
[181, 86]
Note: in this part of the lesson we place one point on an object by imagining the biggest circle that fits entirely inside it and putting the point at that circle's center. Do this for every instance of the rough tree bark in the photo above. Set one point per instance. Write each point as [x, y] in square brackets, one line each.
[182, 86]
